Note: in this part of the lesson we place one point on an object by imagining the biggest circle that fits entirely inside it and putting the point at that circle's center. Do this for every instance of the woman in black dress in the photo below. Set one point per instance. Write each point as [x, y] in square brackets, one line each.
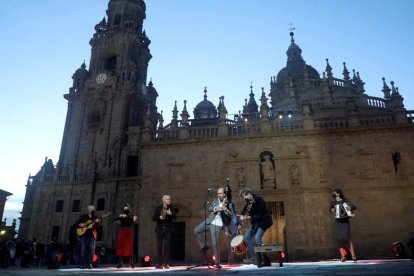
[124, 244]
[343, 210]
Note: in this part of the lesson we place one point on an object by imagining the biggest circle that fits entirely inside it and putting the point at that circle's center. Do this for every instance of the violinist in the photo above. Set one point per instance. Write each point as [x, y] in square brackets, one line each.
[124, 244]
[164, 215]
[214, 223]
[256, 212]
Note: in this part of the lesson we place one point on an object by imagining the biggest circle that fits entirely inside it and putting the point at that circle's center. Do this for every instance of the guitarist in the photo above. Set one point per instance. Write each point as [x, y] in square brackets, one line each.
[87, 241]
[255, 210]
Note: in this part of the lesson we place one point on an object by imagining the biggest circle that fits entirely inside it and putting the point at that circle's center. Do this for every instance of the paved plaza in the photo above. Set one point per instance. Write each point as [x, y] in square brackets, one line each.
[362, 267]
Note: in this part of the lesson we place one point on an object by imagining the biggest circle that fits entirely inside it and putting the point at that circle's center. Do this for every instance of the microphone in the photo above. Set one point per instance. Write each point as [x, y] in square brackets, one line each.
[209, 190]
[228, 180]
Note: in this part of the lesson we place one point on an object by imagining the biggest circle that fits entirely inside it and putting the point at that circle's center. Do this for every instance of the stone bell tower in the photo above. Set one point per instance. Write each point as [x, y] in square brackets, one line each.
[99, 159]
[109, 98]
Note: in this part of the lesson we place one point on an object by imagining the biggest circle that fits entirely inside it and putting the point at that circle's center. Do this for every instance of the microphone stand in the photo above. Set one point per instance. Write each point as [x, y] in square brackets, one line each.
[205, 263]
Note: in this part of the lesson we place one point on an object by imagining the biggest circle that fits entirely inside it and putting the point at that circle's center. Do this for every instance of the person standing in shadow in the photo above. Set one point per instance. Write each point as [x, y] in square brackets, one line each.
[164, 215]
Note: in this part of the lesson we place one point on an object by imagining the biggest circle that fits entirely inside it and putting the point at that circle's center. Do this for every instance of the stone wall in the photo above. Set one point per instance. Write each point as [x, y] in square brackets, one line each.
[307, 167]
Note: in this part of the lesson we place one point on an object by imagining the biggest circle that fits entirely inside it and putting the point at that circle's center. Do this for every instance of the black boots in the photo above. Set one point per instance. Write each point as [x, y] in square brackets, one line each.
[262, 259]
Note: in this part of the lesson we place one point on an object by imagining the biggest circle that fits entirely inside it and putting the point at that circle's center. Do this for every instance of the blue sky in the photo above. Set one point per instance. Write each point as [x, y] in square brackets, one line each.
[221, 44]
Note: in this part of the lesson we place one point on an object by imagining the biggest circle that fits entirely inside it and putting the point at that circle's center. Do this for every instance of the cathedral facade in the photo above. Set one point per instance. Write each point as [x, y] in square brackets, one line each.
[292, 146]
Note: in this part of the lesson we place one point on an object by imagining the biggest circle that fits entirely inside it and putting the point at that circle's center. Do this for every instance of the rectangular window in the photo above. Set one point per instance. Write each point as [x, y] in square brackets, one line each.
[55, 233]
[100, 204]
[117, 20]
[110, 63]
[59, 206]
[132, 166]
[76, 205]
[99, 233]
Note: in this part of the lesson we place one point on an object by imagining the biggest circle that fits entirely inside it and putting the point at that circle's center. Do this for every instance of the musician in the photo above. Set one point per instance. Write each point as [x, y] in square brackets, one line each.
[343, 210]
[124, 244]
[164, 215]
[256, 212]
[214, 223]
[90, 222]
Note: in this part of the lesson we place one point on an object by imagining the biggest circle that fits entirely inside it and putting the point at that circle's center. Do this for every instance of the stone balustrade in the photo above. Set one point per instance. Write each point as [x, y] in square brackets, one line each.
[376, 102]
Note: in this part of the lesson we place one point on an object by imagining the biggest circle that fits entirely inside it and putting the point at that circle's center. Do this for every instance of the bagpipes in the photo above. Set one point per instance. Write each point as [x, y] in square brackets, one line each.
[229, 204]
[228, 192]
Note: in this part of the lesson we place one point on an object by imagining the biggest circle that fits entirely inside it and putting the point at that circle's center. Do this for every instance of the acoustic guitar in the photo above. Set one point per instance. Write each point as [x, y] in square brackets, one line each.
[80, 231]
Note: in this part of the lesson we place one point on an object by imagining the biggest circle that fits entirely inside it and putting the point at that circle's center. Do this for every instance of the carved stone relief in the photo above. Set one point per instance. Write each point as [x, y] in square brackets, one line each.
[241, 177]
[294, 175]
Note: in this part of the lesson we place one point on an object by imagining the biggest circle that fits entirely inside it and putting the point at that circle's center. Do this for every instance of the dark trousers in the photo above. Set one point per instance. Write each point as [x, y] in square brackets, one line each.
[164, 247]
[87, 249]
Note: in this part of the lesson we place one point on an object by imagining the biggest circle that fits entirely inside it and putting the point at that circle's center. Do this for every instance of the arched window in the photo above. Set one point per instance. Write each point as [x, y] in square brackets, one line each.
[129, 25]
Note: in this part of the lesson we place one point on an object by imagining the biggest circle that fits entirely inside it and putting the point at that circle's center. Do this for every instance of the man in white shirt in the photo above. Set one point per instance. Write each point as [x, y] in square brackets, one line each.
[214, 223]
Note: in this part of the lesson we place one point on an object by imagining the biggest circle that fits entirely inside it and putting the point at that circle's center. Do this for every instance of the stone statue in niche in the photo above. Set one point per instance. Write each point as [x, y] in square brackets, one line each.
[267, 170]
[294, 175]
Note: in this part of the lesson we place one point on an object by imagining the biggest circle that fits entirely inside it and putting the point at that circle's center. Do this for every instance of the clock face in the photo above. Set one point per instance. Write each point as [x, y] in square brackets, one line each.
[101, 78]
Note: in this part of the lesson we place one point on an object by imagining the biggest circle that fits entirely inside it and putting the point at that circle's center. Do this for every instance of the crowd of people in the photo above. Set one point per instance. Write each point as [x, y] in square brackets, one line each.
[51, 254]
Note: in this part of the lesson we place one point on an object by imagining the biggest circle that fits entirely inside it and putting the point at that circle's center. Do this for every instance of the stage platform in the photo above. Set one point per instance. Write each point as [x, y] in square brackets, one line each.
[331, 267]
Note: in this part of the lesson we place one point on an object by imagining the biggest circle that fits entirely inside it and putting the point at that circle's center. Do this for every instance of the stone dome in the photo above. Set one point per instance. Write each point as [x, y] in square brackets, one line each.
[295, 65]
[205, 109]
[297, 71]
[81, 70]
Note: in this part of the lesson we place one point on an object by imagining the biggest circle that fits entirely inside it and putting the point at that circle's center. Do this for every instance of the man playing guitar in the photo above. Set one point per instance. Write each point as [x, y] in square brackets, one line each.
[255, 210]
[88, 222]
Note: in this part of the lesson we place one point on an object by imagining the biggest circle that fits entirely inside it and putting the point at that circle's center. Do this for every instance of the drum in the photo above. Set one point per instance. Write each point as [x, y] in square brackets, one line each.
[238, 245]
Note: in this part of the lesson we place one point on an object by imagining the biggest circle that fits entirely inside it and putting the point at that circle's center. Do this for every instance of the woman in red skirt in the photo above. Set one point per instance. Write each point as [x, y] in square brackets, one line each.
[124, 244]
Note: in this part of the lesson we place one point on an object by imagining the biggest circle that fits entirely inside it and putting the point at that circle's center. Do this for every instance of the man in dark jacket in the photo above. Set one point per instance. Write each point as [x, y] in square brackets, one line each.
[87, 225]
[255, 210]
[164, 215]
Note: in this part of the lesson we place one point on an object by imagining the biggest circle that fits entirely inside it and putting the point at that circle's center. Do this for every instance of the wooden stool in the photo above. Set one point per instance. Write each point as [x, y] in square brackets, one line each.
[271, 248]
